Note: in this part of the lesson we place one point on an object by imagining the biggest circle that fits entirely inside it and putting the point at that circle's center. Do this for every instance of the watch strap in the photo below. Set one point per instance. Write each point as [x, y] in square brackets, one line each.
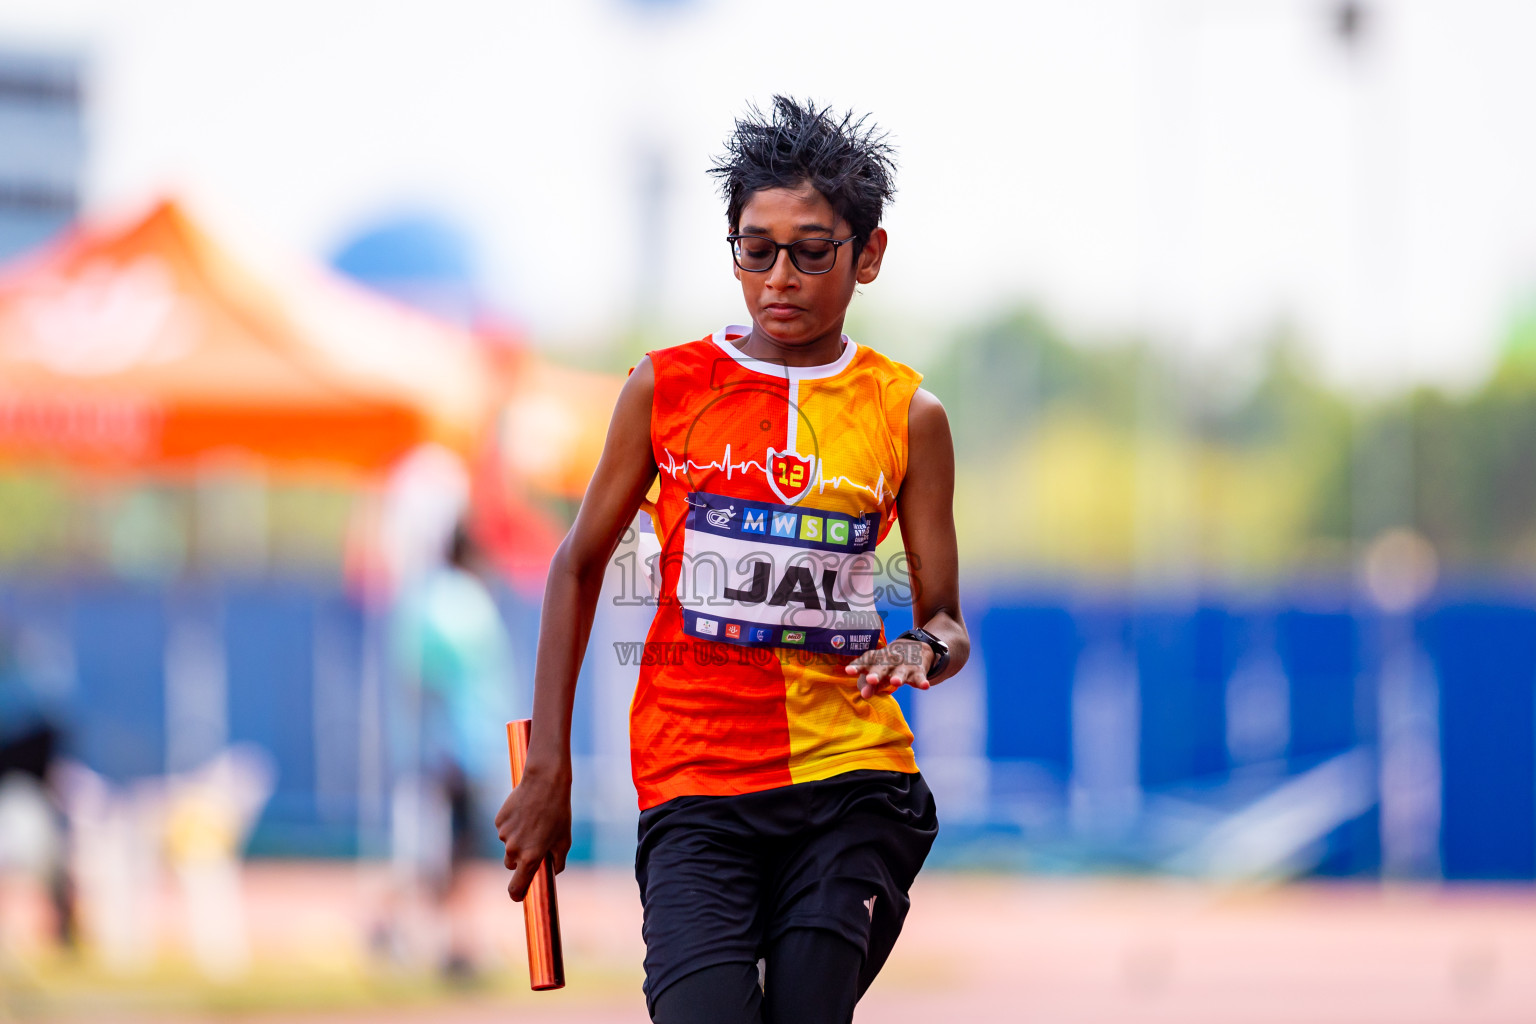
[939, 647]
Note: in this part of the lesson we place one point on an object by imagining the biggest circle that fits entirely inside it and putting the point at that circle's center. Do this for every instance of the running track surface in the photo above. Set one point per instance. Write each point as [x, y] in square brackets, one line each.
[996, 948]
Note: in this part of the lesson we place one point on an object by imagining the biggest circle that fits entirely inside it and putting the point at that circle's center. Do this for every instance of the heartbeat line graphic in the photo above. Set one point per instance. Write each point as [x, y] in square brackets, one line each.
[725, 465]
[672, 467]
[878, 492]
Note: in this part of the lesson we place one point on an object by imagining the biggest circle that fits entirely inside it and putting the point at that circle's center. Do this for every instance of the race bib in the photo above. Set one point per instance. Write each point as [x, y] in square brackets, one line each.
[770, 575]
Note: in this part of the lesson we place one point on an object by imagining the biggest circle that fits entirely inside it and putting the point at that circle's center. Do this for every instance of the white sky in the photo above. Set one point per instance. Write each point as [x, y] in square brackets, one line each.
[1198, 168]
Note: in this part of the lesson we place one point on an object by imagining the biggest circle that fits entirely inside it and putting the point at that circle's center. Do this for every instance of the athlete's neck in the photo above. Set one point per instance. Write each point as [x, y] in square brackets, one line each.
[828, 348]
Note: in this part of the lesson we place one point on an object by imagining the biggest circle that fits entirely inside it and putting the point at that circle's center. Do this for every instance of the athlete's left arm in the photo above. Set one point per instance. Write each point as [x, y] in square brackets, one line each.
[925, 507]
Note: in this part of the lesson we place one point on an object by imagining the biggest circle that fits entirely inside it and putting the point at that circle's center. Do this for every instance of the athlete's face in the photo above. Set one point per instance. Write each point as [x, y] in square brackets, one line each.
[799, 316]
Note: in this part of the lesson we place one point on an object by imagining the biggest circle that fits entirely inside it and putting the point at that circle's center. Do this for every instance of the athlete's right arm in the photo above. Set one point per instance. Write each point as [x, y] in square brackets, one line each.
[535, 819]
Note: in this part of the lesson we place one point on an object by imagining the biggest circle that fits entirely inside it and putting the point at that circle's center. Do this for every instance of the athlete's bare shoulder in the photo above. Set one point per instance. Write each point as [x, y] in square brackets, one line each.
[926, 418]
[630, 430]
[642, 375]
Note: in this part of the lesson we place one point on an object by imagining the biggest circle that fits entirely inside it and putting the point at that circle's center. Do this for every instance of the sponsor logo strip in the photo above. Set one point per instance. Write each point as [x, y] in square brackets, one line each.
[795, 526]
[826, 640]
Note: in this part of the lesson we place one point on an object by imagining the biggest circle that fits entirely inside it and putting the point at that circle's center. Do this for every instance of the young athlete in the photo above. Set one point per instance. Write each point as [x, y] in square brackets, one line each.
[783, 817]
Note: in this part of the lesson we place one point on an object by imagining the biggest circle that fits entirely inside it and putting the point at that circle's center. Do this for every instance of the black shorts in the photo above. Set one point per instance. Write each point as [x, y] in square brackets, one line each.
[722, 876]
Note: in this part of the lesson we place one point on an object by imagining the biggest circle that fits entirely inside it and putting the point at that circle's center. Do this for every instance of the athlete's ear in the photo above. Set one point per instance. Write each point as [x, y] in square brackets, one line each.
[871, 255]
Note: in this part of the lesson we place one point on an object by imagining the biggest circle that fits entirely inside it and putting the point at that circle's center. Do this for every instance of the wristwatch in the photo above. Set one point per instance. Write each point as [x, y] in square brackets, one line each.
[940, 648]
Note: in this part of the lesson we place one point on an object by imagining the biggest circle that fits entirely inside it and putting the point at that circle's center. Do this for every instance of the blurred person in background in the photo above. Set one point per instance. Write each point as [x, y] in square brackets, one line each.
[453, 693]
[33, 835]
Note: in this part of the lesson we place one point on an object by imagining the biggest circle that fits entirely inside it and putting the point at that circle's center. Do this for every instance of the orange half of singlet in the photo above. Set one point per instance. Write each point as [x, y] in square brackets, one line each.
[776, 483]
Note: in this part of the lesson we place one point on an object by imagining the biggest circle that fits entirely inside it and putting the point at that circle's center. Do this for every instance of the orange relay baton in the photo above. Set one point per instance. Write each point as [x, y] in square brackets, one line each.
[541, 914]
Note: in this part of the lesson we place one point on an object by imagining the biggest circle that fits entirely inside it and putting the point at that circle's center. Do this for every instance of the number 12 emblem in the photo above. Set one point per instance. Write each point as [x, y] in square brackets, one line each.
[789, 474]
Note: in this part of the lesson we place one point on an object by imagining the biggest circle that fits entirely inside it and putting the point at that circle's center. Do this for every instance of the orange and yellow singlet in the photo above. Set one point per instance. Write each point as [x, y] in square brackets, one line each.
[776, 483]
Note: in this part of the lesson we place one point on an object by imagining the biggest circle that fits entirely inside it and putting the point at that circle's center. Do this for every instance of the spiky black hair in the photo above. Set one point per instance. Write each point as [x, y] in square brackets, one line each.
[848, 160]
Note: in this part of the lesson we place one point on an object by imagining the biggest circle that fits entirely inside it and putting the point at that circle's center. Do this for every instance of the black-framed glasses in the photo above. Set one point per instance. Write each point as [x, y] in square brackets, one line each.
[757, 254]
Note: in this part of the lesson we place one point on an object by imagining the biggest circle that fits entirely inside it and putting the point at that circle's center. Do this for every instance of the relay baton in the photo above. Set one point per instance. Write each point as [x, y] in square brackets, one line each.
[541, 914]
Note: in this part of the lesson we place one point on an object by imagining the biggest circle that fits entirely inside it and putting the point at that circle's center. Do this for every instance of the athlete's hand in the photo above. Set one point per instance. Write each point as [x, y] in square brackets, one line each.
[535, 820]
[885, 669]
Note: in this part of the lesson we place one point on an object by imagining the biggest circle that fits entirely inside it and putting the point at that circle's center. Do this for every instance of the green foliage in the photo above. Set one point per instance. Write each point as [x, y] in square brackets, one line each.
[996, 377]
[1474, 462]
[1267, 471]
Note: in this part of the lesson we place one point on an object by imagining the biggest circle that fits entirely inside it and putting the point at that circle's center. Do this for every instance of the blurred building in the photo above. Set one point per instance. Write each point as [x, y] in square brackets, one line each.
[42, 147]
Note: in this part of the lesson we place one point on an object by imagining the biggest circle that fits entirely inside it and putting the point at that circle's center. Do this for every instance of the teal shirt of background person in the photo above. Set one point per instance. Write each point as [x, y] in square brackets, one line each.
[454, 649]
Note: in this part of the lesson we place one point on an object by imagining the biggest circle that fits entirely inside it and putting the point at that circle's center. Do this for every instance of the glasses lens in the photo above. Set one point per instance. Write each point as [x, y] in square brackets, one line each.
[755, 253]
[814, 255]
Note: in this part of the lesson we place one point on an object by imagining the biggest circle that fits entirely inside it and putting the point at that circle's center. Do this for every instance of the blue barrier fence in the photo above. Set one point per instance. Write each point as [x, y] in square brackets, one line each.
[1105, 730]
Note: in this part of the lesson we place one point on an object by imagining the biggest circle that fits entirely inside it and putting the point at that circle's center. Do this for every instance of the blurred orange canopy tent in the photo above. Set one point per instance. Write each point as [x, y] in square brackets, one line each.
[550, 435]
[149, 345]
[553, 425]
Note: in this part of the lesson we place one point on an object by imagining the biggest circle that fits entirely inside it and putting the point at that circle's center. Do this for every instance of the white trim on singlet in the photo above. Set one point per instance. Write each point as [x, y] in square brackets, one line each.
[793, 374]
